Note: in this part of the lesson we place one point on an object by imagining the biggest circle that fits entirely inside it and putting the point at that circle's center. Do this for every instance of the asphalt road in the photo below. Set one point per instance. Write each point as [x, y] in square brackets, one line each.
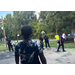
[51, 55]
[7, 57]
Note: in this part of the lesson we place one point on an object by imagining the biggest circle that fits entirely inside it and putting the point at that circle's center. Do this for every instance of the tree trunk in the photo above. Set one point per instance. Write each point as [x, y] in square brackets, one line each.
[4, 31]
[56, 27]
[73, 29]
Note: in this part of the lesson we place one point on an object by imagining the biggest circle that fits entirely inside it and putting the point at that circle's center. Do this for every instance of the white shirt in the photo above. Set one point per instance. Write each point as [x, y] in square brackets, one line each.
[63, 35]
[13, 43]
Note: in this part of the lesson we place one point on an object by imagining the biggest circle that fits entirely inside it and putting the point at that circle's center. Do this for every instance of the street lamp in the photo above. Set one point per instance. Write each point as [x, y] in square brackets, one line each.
[17, 37]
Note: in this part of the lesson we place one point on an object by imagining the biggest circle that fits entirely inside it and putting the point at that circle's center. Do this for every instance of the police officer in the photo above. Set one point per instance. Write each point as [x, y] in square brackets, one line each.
[46, 41]
[9, 43]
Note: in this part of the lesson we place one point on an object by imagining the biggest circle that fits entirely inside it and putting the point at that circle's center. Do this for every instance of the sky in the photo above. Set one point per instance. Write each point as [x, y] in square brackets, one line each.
[4, 13]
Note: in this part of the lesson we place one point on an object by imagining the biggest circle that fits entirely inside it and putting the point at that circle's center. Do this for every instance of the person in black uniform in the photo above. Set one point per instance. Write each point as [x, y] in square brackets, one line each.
[46, 41]
[9, 43]
[41, 41]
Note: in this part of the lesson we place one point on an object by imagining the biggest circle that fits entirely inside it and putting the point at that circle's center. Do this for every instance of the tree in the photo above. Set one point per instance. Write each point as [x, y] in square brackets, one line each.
[57, 20]
[1, 33]
[8, 25]
[37, 28]
[13, 23]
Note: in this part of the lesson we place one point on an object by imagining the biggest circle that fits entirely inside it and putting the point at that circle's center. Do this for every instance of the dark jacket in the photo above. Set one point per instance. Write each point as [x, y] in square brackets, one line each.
[46, 39]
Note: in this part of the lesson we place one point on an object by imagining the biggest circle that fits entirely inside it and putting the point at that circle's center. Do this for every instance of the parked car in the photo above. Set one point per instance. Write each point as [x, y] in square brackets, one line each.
[70, 37]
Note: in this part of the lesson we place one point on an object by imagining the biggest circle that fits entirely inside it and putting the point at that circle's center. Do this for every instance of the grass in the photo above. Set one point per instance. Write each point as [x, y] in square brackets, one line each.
[2, 42]
[67, 45]
[3, 47]
[52, 44]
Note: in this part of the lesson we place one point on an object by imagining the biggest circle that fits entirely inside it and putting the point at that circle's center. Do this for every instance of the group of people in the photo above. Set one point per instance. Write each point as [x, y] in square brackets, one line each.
[61, 43]
[63, 36]
[61, 40]
[28, 50]
[46, 41]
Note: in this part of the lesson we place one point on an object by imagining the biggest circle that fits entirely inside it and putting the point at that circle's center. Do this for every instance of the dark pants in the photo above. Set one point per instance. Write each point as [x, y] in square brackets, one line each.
[47, 43]
[62, 44]
[10, 46]
[41, 44]
[64, 40]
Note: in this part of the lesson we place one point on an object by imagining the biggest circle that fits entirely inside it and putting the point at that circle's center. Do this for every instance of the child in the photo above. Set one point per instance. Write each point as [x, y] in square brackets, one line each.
[28, 49]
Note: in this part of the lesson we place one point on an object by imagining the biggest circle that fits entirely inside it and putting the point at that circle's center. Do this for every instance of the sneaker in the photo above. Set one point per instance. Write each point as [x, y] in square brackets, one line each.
[58, 51]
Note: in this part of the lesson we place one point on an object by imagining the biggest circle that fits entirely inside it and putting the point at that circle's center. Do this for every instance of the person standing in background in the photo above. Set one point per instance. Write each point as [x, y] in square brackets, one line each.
[9, 43]
[57, 37]
[64, 37]
[46, 41]
[74, 37]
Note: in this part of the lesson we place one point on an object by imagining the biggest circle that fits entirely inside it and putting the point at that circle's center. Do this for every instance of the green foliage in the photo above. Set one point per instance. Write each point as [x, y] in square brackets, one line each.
[60, 20]
[37, 28]
[50, 22]
[50, 35]
[14, 23]
[1, 33]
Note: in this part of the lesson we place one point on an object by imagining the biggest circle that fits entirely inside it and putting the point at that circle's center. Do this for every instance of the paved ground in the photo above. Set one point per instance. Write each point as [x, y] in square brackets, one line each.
[54, 57]
[51, 55]
[7, 57]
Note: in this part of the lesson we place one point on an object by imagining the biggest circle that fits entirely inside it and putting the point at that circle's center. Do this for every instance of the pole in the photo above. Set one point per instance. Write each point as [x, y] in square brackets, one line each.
[4, 31]
[56, 27]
